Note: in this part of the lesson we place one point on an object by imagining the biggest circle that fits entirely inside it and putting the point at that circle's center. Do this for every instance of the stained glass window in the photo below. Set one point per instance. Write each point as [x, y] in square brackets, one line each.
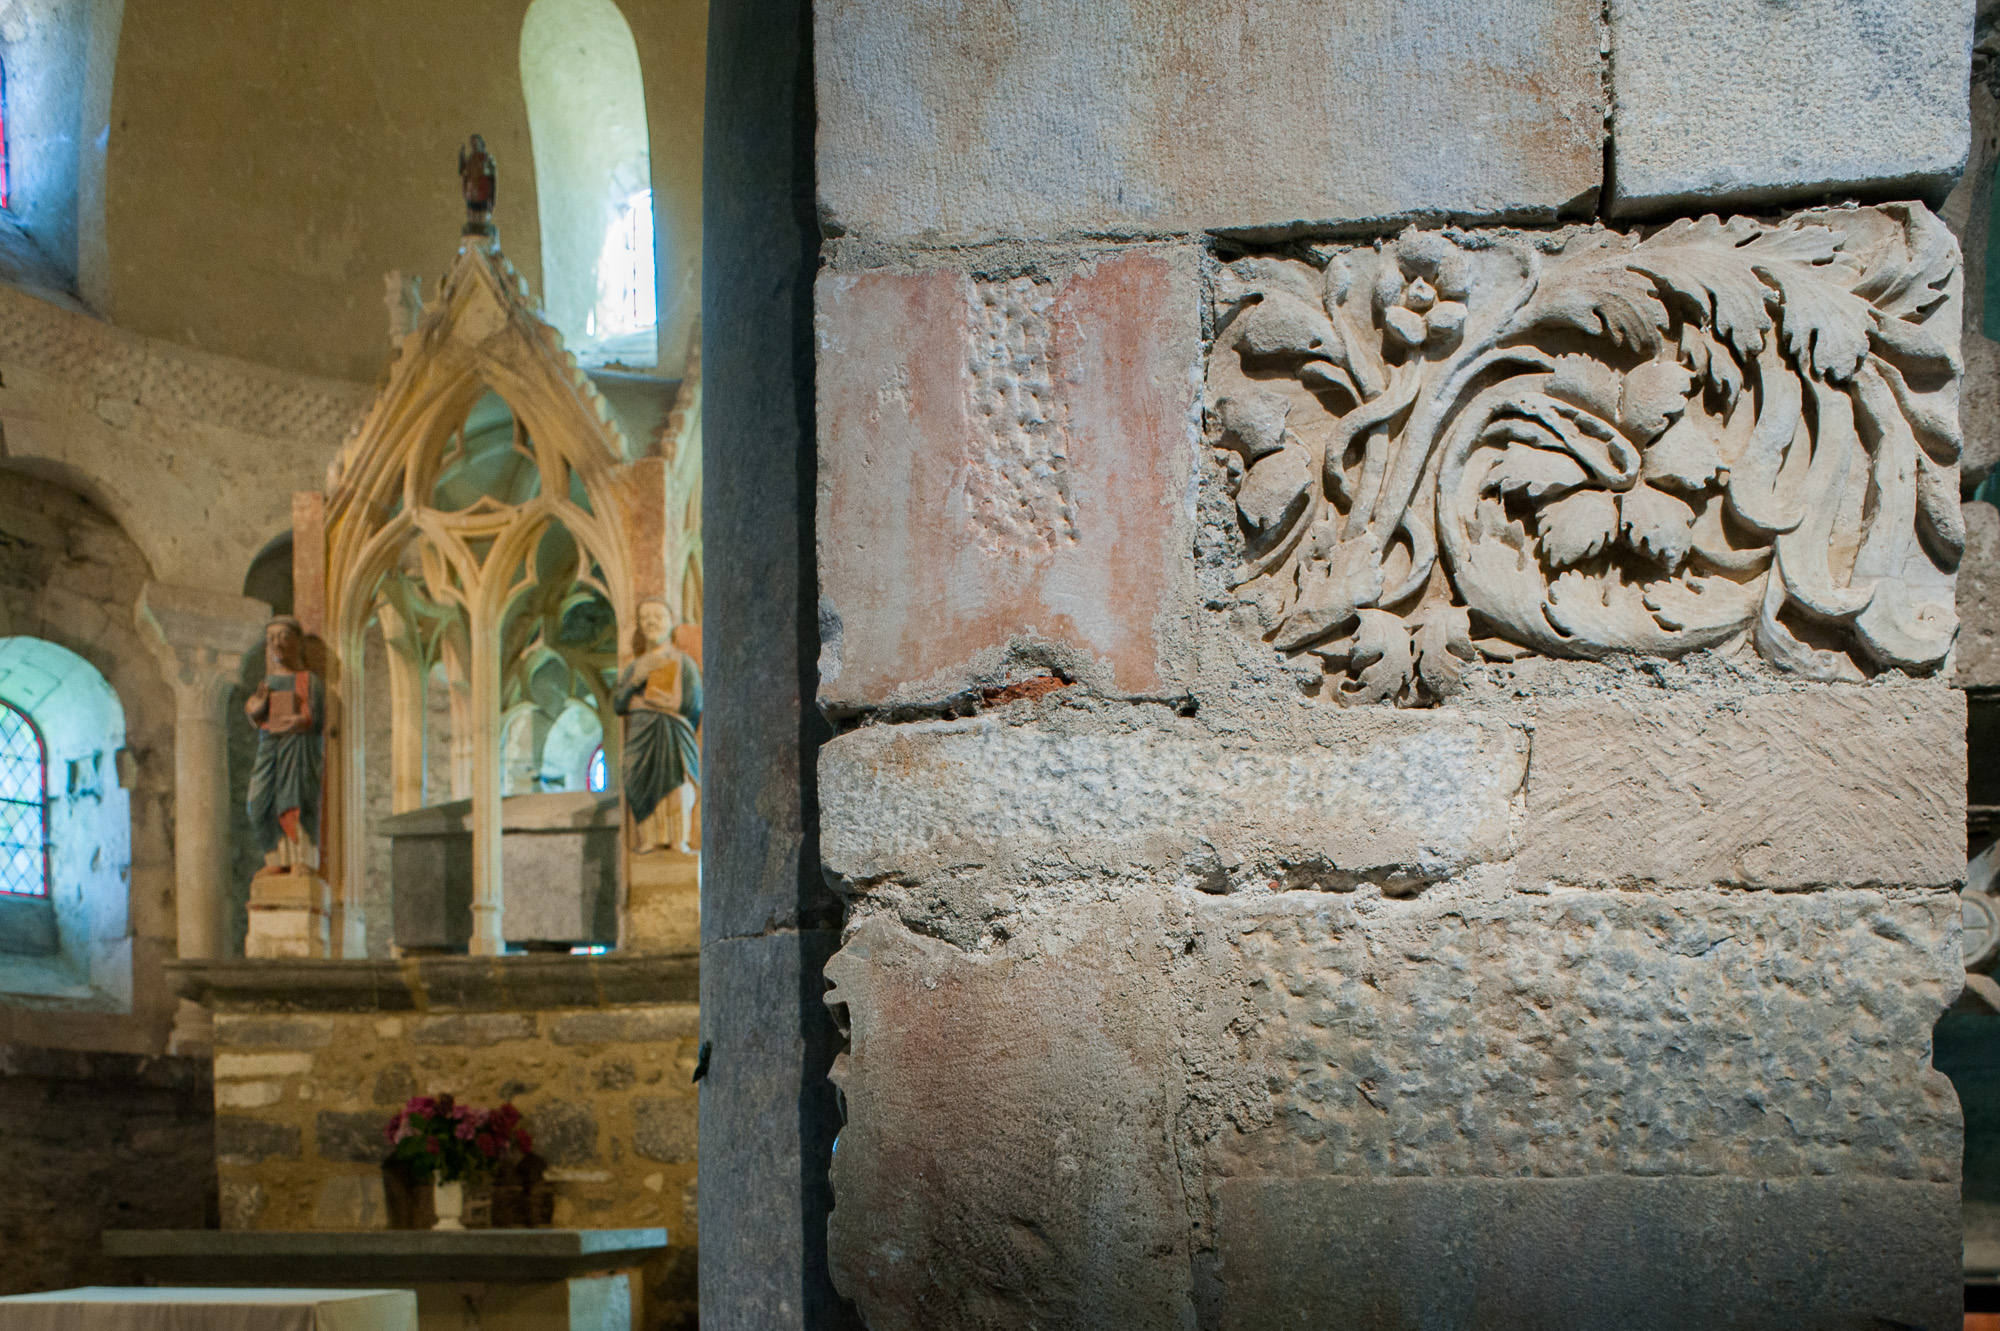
[598, 776]
[24, 806]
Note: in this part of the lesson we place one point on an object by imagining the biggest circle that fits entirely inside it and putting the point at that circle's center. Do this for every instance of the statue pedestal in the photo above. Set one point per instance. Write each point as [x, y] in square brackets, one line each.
[290, 916]
[662, 901]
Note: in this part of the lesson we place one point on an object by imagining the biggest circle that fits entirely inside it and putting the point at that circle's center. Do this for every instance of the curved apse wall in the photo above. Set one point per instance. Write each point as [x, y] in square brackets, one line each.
[593, 179]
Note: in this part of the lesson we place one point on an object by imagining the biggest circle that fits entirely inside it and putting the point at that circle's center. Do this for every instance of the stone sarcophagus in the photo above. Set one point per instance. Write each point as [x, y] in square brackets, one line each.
[560, 855]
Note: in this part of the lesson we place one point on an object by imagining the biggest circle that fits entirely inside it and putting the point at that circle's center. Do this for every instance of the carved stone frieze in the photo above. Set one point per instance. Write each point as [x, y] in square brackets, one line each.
[1737, 434]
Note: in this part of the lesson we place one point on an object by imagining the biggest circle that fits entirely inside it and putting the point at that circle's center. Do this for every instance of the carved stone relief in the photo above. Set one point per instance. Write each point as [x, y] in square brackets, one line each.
[1738, 435]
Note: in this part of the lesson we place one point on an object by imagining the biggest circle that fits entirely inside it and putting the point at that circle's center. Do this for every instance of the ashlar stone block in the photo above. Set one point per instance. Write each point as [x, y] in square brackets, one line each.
[1824, 787]
[1004, 476]
[1142, 116]
[1393, 797]
[1740, 103]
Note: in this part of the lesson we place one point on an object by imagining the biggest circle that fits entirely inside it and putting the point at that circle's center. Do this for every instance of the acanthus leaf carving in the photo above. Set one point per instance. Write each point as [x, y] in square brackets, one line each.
[1729, 434]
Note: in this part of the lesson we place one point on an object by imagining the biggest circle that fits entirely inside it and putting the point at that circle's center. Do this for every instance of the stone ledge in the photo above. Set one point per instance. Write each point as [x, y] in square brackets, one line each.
[440, 984]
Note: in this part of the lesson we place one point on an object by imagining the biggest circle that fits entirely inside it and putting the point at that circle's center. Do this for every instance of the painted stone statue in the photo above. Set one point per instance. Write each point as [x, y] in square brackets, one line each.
[480, 180]
[659, 695]
[287, 708]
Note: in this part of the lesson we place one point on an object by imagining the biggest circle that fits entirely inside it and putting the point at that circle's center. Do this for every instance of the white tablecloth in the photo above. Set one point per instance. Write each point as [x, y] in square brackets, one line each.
[116, 1308]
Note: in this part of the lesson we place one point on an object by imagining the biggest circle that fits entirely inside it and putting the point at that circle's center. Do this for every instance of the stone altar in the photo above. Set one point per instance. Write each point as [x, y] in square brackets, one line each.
[478, 1280]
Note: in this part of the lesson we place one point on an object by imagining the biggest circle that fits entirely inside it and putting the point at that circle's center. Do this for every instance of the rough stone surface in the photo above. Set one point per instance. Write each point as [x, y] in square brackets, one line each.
[249, 1141]
[661, 1131]
[1407, 797]
[1147, 116]
[1734, 103]
[1081, 1123]
[624, 1026]
[1004, 467]
[353, 1137]
[473, 1028]
[566, 1132]
[1757, 1035]
[277, 1032]
[1789, 790]
[1978, 649]
[395, 1084]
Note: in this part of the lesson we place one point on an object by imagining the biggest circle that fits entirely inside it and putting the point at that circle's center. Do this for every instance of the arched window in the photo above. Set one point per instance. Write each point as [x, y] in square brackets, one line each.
[24, 805]
[65, 830]
[593, 179]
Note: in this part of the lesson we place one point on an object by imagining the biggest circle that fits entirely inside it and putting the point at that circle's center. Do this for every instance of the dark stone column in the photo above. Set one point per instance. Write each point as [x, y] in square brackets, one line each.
[768, 921]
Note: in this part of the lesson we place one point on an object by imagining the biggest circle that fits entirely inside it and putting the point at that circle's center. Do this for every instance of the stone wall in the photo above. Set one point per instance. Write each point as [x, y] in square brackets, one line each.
[1394, 769]
[267, 164]
[195, 455]
[599, 1054]
[97, 1141]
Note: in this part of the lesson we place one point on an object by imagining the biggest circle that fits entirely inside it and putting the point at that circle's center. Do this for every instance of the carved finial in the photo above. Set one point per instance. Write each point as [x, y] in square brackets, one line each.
[477, 176]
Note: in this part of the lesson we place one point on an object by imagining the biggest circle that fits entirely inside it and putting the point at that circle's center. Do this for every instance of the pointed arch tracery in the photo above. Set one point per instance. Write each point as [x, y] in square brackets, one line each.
[455, 579]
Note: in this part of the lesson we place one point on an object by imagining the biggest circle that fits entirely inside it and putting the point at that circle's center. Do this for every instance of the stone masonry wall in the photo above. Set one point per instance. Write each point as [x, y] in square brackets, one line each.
[97, 1141]
[1395, 765]
[301, 1098]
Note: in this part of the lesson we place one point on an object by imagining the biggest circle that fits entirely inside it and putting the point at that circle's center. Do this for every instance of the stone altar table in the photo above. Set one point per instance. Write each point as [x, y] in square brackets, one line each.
[115, 1308]
[495, 1279]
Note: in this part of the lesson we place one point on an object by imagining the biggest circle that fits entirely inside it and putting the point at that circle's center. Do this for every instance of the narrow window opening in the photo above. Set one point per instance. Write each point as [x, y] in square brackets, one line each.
[599, 774]
[593, 175]
[24, 805]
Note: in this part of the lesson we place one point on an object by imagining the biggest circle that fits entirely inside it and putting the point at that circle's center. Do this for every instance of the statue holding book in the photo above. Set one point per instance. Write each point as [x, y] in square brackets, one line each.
[287, 708]
[659, 695]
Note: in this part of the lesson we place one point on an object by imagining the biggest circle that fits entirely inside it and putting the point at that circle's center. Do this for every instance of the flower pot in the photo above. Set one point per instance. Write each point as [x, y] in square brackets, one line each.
[407, 1197]
[449, 1198]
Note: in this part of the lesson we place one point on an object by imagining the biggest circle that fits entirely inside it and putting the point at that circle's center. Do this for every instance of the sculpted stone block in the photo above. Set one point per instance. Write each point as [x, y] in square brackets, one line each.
[1393, 799]
[1038, 119]
[1806, 789]
[1736, 103]
[1732, 435]
[1004, 473]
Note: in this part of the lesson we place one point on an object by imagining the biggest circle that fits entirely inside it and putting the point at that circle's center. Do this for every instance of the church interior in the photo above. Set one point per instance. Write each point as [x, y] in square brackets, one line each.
[1351, 674]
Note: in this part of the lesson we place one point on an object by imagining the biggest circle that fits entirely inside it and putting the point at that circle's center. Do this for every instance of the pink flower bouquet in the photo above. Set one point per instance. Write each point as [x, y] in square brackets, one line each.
[438, 1138]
